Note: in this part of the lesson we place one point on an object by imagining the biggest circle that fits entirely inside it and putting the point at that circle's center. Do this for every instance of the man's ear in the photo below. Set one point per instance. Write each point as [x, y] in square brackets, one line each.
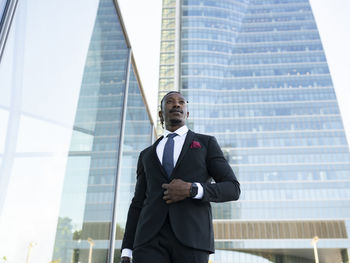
[160, 114]
[188, 114]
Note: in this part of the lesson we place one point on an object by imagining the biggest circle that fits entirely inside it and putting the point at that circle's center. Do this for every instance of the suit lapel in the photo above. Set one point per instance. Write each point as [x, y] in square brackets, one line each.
[155, 156]
[185, 147]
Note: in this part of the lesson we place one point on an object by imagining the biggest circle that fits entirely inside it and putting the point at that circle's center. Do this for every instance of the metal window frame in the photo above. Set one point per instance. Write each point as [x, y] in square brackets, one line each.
[6, 22]
[177, 62]
[120, 155]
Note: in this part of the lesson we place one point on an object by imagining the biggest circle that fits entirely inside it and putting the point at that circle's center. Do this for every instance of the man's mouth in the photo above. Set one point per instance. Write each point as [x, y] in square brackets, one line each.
[175, 111]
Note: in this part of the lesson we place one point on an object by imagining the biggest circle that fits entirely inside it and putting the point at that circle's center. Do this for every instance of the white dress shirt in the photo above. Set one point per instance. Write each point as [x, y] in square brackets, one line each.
[178, 144]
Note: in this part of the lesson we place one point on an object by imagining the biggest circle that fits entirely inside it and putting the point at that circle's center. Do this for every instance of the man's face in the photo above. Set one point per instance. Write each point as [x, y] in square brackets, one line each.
[174, 110]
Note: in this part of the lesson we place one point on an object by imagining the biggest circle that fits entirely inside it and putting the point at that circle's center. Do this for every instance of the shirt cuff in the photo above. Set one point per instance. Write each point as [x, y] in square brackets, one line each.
[126, 252]
[200, 191]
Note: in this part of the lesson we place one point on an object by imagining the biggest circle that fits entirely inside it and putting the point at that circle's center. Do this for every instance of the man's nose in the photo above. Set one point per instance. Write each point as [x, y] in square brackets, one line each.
[176, 104]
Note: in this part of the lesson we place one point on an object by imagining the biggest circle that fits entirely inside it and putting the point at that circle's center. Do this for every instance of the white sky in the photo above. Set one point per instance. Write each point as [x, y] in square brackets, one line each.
[142, 19]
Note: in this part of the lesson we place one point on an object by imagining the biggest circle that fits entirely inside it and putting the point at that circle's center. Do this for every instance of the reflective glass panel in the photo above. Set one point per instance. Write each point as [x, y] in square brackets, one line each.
[40, 79]
[137, 136]
[88, 194]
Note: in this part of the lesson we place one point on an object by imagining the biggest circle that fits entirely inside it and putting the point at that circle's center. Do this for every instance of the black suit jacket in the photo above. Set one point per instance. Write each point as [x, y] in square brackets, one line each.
[200, 160]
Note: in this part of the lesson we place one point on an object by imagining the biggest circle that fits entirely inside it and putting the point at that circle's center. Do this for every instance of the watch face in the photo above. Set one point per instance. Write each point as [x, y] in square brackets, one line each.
[194, 190]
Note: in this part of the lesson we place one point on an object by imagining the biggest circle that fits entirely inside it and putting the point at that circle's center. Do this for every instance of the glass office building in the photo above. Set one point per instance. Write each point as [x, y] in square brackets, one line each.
[72, 122]
[256, 77]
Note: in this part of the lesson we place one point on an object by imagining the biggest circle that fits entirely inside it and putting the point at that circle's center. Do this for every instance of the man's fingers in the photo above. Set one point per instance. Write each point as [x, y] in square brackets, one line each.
[172, 193]
[168, 200]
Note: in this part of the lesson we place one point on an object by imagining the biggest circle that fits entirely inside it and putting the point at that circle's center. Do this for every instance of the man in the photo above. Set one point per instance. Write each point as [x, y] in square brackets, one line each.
[169, 219]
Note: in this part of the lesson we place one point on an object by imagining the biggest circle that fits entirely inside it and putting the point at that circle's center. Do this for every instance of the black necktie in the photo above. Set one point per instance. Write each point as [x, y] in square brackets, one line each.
[168, 154]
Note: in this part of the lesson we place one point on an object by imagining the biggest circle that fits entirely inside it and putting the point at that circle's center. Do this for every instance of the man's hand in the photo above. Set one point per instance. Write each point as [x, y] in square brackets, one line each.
[176, 191]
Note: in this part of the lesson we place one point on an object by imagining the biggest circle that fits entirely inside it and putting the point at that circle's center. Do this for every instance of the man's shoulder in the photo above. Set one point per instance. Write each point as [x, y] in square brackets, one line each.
[204, 137]
[150, 148]
[147, 149]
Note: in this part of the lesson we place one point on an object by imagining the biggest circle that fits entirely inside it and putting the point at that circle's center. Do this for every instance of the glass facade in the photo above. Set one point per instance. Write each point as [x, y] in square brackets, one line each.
[2, 7]
[168, 63]
[111, 127]
[72, 122]
[256, 77]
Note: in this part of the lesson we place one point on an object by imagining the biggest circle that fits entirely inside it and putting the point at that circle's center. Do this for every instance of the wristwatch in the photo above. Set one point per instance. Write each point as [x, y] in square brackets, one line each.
[193, 190]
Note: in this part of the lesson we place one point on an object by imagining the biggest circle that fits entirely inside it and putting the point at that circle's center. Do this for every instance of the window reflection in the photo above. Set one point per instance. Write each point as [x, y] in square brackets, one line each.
[88, 193]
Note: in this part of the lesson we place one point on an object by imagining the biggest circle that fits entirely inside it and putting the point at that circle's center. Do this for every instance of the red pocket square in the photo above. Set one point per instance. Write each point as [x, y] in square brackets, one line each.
[195, 144]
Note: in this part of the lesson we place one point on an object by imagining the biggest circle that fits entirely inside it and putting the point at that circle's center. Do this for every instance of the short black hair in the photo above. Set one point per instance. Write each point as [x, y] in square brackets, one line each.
[170, 92]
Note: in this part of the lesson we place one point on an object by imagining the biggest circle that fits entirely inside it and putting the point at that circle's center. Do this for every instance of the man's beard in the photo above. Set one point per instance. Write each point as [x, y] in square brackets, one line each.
[174, 122]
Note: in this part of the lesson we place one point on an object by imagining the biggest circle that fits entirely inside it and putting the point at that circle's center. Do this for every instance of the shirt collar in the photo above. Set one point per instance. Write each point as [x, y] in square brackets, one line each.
[180, 131]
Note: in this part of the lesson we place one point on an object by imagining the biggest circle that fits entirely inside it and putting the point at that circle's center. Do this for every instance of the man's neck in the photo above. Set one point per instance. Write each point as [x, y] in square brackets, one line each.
[180, 131]
[173, 128]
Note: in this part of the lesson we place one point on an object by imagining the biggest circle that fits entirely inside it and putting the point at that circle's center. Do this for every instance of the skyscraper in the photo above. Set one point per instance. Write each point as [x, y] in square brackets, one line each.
[111, 126]
[73, 120]
[256, 77]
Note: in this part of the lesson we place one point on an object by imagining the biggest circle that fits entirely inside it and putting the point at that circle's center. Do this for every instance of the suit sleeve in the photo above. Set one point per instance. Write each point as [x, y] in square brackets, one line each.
[135, 207]
[226, 186]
